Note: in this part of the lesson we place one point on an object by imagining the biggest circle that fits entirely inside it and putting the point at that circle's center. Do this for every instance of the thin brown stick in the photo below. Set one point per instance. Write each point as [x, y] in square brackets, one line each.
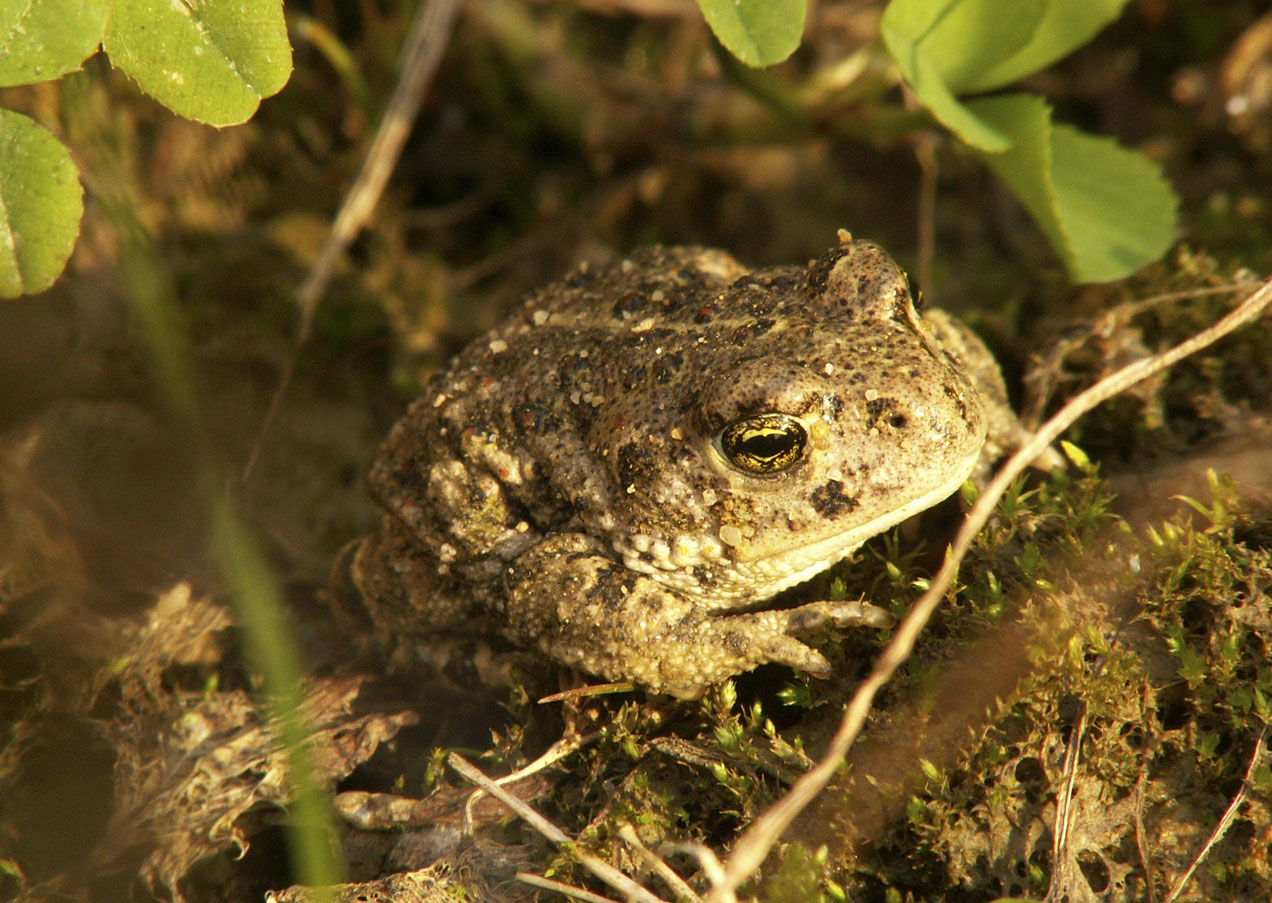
[601, 869]
[1064, 808]
[708, 861]
[654, 861]
[567, 890]
[566, 746]
[1226, 821]
[1141, 838]
[1141, 785]
[428, 37]
[1044, 378]
[754, 845]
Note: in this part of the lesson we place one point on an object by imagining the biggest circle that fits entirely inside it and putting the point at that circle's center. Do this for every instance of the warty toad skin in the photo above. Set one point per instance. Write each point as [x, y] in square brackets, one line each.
[626, 469]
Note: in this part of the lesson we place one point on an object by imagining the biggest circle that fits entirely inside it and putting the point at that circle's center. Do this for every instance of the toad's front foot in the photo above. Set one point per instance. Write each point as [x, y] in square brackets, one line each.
[773, 632]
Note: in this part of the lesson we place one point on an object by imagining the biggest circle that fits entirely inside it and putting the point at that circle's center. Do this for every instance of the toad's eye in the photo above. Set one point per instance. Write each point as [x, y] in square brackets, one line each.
[763, 444]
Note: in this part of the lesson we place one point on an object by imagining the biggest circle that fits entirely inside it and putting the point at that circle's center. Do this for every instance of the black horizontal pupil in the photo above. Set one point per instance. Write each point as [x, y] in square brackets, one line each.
[767, 445]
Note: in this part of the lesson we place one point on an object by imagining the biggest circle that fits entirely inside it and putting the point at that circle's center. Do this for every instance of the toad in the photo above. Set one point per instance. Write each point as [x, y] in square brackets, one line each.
[629, 467]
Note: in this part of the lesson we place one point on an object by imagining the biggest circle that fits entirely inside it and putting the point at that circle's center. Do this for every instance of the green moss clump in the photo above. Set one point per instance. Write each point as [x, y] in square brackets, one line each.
[1167, 674]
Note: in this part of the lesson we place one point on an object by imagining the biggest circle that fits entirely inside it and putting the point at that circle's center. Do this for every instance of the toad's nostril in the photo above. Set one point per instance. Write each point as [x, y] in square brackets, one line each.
[899, 421]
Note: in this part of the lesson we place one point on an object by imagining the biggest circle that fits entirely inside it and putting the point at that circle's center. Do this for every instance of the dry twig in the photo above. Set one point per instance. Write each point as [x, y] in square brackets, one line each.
[1141, 784]
[554, 753]
[428, 37]
[601, 869]
[1226, 821]
[567, 890]
[1064, 805]
[1041, 381]
[651, 859]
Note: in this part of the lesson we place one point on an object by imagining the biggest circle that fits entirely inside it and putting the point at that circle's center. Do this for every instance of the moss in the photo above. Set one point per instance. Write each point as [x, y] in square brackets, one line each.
[1170, 693]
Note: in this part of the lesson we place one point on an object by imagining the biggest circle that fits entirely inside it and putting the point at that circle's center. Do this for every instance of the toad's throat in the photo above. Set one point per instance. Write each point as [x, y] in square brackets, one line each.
[723, 577]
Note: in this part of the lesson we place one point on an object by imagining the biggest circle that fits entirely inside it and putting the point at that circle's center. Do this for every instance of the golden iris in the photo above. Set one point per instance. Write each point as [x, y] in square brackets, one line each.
[764, 444]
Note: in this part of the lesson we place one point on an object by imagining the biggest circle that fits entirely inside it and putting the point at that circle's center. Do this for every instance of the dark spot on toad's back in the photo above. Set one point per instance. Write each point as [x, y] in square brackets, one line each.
[584, 414]
[668, 366]
[678, 299]
[633, 376]
[536, 419]
[630, 303]
[632, 460]
[743, 335]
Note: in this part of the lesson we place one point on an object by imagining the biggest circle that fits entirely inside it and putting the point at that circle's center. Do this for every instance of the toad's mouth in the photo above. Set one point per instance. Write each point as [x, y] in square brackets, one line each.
[742, 572]
[781, 570]
[771, 572]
